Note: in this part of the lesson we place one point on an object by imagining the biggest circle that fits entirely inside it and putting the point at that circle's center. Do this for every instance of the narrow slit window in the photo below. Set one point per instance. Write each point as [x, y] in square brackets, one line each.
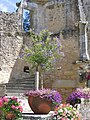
[26, 20]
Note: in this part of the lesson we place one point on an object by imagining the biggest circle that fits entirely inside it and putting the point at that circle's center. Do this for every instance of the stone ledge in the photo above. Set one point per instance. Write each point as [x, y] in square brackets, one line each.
[32, 116]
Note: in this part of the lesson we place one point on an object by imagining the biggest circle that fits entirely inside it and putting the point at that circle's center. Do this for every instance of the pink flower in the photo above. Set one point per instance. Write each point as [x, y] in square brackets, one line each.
[21, 109]
[5, 99]
[1, 103]
[65, 110]
[14, 98]
[13, 107]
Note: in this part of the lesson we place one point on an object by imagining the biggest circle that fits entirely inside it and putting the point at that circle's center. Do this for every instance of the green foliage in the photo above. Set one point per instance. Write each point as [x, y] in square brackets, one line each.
[10, 106]
[44, 50]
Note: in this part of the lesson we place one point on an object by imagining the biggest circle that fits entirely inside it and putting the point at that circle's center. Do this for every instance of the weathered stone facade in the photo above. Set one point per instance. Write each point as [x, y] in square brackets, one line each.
[54, 15]
[57, 16]
[64, 16]
[10, 44]
[60, 16]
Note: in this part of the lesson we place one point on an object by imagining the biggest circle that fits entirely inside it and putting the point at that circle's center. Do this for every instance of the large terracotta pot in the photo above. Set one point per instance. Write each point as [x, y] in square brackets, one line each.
[39, 105]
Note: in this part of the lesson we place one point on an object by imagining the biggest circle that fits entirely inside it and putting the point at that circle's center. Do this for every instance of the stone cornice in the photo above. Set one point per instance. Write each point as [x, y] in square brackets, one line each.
[46, 3]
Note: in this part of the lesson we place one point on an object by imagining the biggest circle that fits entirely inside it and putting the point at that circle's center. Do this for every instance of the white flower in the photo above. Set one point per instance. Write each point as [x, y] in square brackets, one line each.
[65, 110]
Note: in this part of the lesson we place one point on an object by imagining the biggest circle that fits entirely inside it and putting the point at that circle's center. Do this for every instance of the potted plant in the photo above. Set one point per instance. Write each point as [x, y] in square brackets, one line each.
[10, 108]
[41, 101]
[42, 53]
[66, 112]
[79, 95]
[74, 98]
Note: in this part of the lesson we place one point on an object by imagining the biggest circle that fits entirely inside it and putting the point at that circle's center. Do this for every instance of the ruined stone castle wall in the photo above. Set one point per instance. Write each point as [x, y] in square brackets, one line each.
[61, 16]
[10, 44]
[57, 16]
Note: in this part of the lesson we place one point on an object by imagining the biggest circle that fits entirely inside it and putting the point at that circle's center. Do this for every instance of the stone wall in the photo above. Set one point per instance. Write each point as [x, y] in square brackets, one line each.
[60, 16]
[54, 15]
[10, 44]
[57, 16]
[64, 17]
[86, 4]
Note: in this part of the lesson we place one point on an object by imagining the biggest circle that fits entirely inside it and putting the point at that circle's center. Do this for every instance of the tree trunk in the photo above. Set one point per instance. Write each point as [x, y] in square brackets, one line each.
[37, 79]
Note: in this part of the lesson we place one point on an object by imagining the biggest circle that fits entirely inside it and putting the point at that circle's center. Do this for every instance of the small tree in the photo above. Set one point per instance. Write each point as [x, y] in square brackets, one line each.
[43, 52]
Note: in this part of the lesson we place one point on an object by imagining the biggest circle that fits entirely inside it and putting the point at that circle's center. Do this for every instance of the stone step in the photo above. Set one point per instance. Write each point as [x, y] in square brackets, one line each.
[17, 91]
[21, 84]
[14, 93]
[23, 81]
[19, 87]
[32, 116]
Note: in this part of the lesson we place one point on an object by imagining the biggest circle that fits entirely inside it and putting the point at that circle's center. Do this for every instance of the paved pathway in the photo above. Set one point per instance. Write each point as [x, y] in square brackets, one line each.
[25, 105]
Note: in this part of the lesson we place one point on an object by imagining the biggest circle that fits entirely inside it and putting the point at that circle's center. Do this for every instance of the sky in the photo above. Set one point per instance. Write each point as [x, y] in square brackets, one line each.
[8, 5]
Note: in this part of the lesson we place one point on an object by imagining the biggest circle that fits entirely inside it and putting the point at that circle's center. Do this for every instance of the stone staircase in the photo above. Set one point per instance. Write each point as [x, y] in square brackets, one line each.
[20, 86]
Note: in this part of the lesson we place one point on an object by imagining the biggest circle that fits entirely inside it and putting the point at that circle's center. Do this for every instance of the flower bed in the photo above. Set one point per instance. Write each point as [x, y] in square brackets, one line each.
[10, 108]
[66, 112]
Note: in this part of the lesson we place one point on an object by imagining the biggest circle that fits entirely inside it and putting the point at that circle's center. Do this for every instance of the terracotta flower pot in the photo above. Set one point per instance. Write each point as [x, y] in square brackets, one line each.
[10, 116]
[39, 105]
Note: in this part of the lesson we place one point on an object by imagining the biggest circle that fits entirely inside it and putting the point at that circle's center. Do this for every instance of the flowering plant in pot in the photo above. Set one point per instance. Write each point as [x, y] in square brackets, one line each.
[42, 100]
[10, 108]
[78, 95]
[66, 112]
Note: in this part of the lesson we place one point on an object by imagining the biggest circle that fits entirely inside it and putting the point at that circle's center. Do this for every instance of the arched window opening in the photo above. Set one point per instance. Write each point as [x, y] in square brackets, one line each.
[26, 20]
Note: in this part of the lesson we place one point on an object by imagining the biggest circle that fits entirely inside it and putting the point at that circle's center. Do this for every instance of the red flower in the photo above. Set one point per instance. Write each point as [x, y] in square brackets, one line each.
[1, 103]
